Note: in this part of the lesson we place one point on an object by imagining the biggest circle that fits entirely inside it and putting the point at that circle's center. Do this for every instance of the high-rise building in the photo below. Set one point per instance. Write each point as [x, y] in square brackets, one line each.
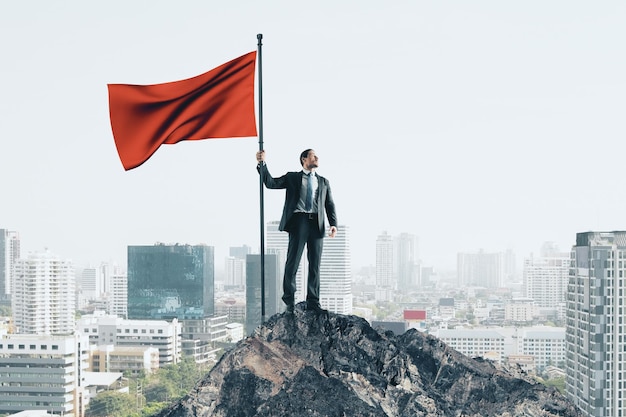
[336, 273]
[595, 334]
[87, 282]
[481, 269]
[235, 269]
[545, 278]
[236, 266]
[170, 281]
[9, 254]
[43, 372]
[273, 289]
[118, 298]
[384, 262]
[43, 299]
[239, 252]
[406, 261]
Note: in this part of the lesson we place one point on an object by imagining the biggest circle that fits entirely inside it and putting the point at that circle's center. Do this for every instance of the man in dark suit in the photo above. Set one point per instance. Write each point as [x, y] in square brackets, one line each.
[307, 199]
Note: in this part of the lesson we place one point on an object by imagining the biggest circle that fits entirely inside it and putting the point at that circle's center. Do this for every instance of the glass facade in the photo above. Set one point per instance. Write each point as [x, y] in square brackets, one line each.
[170, 281]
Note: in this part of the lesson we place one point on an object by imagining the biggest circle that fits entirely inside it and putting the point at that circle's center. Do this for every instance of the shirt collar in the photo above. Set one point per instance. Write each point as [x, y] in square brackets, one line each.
[306, 171]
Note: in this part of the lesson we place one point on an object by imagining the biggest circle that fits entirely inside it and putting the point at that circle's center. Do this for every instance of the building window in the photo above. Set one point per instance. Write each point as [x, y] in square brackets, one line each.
[55, 347]
[43, 347]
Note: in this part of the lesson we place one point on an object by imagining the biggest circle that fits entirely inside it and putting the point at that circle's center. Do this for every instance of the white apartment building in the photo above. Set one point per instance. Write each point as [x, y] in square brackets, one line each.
[234, 332]
[545, 344]
[235, 272]
[200, 336]
[595, 336]
[118, 297]
[88, 283]
[336, 273]
[384, 263]
[475, 342]
[43, 372]
[105, 329]
[43, 299]
[520, 310]
[545, 279]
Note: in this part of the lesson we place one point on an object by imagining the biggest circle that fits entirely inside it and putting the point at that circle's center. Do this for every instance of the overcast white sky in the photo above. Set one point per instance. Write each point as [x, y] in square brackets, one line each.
[471, 124]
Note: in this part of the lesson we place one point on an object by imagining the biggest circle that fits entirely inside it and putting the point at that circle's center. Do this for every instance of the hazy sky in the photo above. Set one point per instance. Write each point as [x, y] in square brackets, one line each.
[471, 124]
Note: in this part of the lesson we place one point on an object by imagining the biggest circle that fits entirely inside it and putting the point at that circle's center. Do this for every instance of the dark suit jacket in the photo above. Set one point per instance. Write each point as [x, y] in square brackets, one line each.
[292, 182]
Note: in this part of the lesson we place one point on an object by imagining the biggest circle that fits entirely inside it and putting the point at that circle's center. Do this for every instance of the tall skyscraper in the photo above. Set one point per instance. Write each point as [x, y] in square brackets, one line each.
[87, 281]
[384, 261]
[170, 281]
[546, 277]
[43, 300]
[273, 289]
[595, 334]
[239, 252]
[235, 271]
[235, 266]
[9, 254]
[386, 282]
[336, 273]
[481, 269]
[118, 298]
[406, 261]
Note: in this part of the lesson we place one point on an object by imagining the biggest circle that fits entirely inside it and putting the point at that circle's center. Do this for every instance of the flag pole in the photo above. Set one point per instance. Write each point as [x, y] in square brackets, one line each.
[260, 81]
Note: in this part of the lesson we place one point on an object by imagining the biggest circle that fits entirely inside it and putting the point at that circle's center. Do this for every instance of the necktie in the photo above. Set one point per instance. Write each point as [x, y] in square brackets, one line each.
[309, 192]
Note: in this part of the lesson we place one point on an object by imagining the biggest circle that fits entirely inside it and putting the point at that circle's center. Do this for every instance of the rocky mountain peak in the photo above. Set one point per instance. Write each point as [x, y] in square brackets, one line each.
[308, 364]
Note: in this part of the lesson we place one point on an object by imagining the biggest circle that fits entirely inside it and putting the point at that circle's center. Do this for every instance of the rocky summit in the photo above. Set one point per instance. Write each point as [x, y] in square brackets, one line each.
[310, 364]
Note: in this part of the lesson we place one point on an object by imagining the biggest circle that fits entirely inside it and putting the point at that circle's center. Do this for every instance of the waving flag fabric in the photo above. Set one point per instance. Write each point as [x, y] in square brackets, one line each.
[216, 104]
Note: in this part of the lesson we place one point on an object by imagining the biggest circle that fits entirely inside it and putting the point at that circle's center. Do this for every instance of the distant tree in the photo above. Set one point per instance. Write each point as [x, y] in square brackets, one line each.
[160, 391]
[111, 403]
[152, 408]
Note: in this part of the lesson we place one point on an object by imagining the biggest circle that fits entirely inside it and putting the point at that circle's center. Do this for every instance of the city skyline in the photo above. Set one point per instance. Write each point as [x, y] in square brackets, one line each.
[481, 125]
[222, 254]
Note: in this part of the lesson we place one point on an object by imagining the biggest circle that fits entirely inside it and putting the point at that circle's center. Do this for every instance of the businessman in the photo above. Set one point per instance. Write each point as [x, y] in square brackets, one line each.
[308, 200]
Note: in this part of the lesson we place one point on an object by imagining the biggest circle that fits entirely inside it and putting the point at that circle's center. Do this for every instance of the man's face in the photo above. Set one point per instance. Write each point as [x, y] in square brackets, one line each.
[310, 161]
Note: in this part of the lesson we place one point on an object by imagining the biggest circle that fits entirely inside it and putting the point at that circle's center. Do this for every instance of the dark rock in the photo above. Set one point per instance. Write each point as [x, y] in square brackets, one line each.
[311, 364]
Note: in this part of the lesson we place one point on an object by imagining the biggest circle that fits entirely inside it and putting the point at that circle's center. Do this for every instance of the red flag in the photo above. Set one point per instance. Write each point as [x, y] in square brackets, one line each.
[216, 104]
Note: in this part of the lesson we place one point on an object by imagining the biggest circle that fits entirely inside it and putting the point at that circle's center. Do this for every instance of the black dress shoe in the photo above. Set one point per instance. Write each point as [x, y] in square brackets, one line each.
[316, 307]
[289, 309]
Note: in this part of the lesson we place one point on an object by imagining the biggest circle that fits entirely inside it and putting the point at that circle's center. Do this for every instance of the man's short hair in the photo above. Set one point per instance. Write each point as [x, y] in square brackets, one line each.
[304, 154]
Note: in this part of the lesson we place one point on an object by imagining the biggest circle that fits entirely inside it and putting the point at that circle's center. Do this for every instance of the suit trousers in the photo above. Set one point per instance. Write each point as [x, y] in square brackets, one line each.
[303, 230]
